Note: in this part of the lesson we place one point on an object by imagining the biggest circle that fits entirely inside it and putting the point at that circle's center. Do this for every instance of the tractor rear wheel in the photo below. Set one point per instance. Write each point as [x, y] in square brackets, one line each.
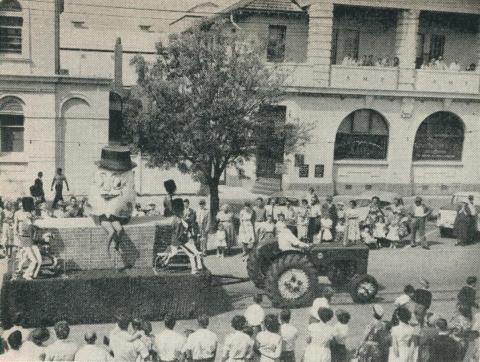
[292, 281]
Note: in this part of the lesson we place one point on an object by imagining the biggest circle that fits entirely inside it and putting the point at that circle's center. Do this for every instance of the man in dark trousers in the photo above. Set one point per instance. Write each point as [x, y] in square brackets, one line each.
[419, 213]
[444, 348]
[58, 181]
[37, 190]
[329, 209]
[467, 295]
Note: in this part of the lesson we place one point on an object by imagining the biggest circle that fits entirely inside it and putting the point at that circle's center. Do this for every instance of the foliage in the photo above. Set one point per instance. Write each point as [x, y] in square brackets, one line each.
[196, 106]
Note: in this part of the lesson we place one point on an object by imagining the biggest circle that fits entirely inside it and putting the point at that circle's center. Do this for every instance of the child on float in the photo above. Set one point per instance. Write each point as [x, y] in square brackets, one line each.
[221, 240]
[302, 220]
[380, 231]
[326, 229]
[340, 230]
[281, 223]
[367, 237]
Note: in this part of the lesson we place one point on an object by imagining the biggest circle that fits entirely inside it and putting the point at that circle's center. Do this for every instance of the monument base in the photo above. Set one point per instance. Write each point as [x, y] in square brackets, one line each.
[95, 296]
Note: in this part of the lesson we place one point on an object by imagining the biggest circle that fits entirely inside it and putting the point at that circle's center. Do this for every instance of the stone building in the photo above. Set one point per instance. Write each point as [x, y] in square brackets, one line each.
[47, 120]
[404, 127]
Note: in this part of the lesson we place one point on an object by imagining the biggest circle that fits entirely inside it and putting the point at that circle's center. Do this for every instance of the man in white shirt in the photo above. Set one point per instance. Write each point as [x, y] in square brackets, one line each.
[122, 346]
[254, 314]
[14, 340]
[419, 212]
[202, 344]
[406, 297]
[62, 349]
[169, 343]
[91, 352]
[288, 241]
[289, 335]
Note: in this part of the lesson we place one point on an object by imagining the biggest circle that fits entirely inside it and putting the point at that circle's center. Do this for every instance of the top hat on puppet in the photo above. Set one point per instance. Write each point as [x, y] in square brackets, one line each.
[116, 158]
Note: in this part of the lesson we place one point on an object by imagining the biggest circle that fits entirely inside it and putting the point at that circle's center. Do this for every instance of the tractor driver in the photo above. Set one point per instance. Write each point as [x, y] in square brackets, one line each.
[288, 241]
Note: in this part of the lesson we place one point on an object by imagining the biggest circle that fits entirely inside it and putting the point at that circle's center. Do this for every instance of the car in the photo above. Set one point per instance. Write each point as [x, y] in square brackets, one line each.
[290, 278]
[363, 201]
[448, 213]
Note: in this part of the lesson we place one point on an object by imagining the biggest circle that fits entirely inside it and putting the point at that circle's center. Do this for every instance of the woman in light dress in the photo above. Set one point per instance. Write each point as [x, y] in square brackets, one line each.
[225, 217]
[321, 335]
[403, 346]
[246, 232]
[352, 225]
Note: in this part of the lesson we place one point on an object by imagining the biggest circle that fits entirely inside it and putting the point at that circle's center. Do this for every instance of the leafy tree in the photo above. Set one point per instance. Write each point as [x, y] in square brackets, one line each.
[196, 106]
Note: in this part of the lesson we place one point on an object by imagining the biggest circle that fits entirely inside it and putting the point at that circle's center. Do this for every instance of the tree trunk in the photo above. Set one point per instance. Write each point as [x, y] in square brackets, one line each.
[214, 203]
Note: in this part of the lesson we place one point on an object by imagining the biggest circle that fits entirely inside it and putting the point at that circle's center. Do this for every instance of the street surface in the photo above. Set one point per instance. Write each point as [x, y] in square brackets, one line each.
[445, 266]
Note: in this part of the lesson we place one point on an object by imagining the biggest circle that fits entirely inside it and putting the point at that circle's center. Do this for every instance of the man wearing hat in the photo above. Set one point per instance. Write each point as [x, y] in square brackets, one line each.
[112, 194]
[419, 213]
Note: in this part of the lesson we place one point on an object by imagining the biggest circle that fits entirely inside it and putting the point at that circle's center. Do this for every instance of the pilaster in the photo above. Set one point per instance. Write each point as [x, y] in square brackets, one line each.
[405, 44]
[320, 40]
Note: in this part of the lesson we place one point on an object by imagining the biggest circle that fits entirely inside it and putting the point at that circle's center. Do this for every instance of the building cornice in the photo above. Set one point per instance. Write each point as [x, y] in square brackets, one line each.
[340, 92]
[53, 80]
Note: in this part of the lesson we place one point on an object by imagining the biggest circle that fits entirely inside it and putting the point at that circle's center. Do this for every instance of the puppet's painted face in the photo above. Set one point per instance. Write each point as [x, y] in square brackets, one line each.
[112, 193]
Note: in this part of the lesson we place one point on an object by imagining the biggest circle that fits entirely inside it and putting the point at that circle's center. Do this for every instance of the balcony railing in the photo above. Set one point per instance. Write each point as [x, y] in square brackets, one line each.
[447, 81]
[298, 74]
[355, 77]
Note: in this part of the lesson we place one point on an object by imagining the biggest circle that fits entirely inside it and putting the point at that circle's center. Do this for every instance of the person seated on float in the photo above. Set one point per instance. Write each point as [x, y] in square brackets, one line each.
[288, 241]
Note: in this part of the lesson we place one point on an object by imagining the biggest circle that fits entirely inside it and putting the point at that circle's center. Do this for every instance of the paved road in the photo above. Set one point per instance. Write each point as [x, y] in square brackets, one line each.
[445, 265]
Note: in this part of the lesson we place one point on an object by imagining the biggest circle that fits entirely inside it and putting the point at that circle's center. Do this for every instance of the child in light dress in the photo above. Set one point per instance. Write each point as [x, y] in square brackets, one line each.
[393, 231]
[221, 240]
[326, 229]
[380, 230]
[340, 230]
[367, 238]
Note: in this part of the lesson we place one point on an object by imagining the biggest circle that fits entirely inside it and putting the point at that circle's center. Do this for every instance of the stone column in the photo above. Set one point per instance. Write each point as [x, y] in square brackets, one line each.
[320, 40]
[406, 47]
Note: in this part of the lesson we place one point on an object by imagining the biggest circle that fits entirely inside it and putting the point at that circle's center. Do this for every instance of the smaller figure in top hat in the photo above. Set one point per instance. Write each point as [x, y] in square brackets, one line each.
[183, 238]
[112, 193]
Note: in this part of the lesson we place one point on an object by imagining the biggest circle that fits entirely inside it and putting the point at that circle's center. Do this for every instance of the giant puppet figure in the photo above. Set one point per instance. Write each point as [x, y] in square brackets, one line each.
[112, 193]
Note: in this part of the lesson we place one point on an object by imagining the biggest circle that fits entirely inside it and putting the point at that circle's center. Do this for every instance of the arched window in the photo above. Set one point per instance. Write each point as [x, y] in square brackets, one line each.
[363, 134]
[439, 137]
[11, 24]
[11, 125]
[115, 124]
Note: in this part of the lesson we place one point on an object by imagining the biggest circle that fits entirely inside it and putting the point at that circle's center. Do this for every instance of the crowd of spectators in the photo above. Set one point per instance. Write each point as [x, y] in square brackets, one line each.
[371, 61]
[414, 332]
[440, 64]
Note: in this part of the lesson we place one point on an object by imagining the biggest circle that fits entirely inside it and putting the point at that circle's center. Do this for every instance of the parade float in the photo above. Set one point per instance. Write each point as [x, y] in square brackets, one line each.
[94, 283]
